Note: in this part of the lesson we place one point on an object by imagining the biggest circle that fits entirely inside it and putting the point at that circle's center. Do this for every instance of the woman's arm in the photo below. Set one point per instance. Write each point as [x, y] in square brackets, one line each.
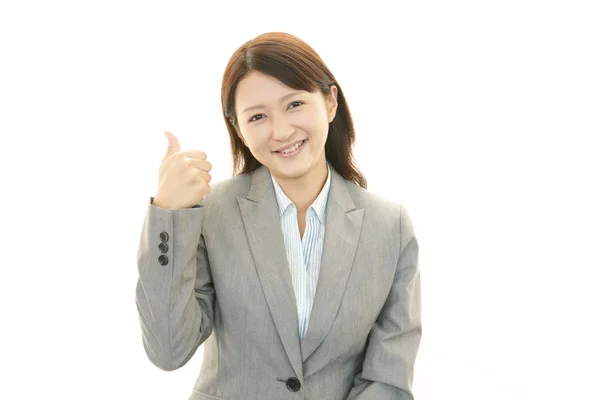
[394, 340]
[175, 295]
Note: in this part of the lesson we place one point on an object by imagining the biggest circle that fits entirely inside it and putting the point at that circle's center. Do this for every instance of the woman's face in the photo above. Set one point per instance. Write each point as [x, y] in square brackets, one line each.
[273, 117]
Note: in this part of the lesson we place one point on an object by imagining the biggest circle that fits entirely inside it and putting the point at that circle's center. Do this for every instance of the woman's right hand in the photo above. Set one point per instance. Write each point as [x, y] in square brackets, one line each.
[183, 177]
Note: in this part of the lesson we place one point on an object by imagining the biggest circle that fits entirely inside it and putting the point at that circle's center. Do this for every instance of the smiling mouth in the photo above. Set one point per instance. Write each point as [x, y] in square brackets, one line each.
[299, 144]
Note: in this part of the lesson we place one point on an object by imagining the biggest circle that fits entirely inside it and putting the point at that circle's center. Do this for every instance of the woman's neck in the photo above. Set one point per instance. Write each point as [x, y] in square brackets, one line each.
[304, 190]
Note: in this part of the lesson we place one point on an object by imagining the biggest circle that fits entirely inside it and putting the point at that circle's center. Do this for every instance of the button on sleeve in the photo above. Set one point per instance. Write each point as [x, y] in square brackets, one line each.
[163, 260]
[164, 236]
[163, 247]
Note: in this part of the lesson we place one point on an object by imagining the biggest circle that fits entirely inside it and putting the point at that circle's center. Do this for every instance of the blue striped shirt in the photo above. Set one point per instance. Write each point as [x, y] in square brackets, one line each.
[304, 254]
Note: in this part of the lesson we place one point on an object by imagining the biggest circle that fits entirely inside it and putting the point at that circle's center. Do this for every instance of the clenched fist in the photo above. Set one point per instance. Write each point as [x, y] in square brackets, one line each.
[183, 177]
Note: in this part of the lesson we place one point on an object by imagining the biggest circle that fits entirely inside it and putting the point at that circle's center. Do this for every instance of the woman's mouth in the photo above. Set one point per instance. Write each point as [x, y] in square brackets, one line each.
[292, 151]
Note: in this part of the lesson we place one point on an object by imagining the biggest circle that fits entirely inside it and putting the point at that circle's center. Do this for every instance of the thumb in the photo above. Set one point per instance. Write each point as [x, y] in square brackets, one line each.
[173, 144]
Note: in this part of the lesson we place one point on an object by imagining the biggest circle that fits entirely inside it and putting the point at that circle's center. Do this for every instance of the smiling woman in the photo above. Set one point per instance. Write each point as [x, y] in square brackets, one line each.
[299, 281]
[281, 68]
[289, 134]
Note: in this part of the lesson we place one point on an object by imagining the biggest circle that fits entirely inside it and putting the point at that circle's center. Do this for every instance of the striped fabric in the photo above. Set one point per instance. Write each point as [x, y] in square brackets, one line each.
[304, 255]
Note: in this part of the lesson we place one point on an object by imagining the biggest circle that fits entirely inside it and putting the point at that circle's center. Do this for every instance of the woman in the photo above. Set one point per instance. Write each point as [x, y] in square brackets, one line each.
[300, 282]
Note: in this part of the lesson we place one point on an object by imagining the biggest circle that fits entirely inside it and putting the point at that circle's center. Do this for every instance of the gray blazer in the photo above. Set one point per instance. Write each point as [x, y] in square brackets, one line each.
[218, 274]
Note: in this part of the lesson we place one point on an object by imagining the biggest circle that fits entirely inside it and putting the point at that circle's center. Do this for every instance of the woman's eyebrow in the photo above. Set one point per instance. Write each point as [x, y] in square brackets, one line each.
[281, 99]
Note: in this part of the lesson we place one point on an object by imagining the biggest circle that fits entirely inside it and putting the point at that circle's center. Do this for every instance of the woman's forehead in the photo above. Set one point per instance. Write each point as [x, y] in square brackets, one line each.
[258, 80]
[258, 89]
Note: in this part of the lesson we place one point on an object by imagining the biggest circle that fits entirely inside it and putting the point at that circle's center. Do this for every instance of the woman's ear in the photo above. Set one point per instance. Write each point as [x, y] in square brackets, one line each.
[332, 103]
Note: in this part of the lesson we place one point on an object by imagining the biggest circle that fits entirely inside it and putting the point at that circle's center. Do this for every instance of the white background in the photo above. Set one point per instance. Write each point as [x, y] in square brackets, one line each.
[481, 117]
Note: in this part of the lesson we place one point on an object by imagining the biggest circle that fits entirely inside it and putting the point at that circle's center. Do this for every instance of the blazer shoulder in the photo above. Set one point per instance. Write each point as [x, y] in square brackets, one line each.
[374, 202]
[382, 210]
[226, 191]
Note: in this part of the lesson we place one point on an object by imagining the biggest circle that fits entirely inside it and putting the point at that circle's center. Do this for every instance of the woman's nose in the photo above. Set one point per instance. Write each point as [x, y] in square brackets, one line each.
[282, 128]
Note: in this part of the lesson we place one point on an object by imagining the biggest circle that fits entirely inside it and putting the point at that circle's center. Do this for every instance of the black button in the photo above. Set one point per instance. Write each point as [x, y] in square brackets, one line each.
[293, 384]
[163, 247]
[164, 236]
[163, 260]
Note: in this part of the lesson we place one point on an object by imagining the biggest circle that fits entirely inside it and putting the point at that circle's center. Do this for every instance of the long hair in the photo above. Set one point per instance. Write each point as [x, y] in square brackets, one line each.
[297, 65]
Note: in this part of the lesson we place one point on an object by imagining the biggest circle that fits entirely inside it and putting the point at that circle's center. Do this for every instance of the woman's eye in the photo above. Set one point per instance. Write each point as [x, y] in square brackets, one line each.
[253, 119]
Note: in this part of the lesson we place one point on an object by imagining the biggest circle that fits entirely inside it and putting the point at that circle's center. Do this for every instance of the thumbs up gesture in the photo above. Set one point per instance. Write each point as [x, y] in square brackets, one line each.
[183, 177]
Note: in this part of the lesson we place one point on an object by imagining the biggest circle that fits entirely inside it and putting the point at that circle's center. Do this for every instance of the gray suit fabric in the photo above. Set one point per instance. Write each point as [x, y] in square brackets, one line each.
[223, 281]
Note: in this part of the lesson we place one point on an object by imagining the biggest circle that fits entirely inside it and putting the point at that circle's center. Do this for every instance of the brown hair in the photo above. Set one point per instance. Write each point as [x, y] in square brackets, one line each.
[294, 63]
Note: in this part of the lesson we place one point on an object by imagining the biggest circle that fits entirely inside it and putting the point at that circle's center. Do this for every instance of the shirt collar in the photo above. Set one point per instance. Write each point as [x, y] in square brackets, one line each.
[318, 206]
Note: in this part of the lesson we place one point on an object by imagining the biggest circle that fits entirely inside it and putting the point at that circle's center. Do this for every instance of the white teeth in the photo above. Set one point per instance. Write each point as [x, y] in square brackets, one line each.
[292, 148]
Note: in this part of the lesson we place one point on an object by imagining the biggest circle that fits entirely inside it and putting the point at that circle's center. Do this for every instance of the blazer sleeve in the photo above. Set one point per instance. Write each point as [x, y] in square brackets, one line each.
[387, 370]
[174, 295]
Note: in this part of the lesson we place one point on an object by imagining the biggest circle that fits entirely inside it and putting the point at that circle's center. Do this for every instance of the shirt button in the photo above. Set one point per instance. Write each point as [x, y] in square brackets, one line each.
[163, 260]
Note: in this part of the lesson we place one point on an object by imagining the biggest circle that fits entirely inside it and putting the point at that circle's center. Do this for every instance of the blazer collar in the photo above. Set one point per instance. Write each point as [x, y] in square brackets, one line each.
[318, 205]
[262, 185]
[259, 211]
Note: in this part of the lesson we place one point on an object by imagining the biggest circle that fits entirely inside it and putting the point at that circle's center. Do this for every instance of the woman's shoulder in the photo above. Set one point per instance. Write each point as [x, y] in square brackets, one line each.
[224, 191]
[379, 209]
[371, 200]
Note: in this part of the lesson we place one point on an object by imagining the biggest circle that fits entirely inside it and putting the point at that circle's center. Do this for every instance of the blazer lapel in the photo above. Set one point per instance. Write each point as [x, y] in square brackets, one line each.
[343, 224]
[260, 214]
